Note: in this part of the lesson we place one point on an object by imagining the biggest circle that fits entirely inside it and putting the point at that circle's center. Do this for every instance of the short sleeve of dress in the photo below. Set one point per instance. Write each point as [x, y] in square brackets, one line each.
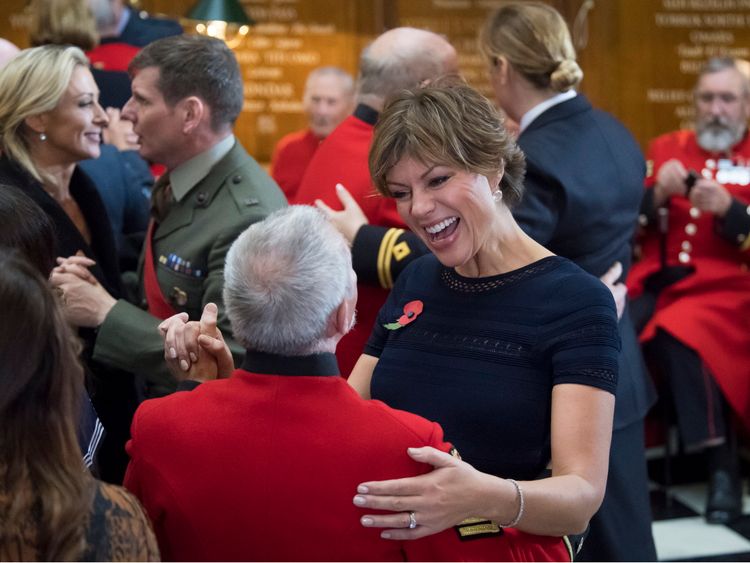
[583, 343]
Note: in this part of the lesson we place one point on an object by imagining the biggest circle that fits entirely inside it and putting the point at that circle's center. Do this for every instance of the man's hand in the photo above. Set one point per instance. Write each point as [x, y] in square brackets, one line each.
[711, 197]
[619, 290]
[84, 303]
[196, 350]
[347, 221]
[670, 180]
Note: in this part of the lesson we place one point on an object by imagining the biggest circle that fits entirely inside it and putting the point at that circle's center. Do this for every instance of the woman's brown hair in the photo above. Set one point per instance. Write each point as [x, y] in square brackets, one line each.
[45, 490]
[447, 123]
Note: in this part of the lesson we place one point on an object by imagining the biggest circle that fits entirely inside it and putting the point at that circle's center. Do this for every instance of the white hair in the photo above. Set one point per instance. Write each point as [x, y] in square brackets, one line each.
[283, 278]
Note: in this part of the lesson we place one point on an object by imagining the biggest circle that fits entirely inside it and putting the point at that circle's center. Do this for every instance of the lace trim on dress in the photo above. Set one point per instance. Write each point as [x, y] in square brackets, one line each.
[463, 284]
[593, 373]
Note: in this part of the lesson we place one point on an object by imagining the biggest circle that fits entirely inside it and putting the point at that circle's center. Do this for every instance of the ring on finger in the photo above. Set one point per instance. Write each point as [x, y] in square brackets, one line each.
[412, 520]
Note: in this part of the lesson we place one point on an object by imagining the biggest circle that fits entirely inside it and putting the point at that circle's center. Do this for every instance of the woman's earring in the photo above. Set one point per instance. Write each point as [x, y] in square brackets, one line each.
[497, 196]
[42, 137]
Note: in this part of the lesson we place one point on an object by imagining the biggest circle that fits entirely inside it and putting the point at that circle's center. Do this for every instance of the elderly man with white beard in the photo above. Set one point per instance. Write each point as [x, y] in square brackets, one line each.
[693, 271]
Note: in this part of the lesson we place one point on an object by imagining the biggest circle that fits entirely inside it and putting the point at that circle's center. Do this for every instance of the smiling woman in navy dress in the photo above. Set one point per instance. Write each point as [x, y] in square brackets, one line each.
[513, 350]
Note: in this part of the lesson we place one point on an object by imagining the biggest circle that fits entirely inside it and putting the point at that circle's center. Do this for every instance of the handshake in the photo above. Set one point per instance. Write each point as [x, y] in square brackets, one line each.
[195, 350]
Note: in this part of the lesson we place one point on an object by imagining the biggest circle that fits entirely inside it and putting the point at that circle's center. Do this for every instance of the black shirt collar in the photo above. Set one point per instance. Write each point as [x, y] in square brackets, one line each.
[274, 364]
[367, 114]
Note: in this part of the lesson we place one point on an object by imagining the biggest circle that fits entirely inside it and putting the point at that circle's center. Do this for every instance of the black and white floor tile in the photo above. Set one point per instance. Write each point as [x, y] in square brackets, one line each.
[680, 532]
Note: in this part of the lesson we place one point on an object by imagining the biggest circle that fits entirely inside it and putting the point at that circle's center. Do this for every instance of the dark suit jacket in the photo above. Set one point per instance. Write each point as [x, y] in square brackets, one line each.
[69, 239]
[142, 30]
[584, 184]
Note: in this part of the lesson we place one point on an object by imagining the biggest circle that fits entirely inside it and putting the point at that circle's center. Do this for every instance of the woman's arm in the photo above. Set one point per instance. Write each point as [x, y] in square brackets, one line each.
[454, 490]
[361, 375]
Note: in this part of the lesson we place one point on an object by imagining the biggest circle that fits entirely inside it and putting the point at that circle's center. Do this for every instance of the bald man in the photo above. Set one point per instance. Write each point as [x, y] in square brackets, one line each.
[399, 58]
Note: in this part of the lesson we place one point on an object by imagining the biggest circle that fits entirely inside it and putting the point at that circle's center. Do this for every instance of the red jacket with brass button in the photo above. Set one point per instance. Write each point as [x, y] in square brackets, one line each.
[709, 310]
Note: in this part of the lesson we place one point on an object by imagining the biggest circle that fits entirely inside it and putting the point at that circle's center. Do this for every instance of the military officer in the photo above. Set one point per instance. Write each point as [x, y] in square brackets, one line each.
[212, 190]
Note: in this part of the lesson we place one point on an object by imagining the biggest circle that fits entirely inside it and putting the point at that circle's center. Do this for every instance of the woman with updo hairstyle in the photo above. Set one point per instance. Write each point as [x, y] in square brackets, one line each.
[510, 348]
[584, 185]
[51, 508]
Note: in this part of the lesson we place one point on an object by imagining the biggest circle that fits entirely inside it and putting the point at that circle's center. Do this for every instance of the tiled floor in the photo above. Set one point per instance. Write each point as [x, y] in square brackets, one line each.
[680, 532]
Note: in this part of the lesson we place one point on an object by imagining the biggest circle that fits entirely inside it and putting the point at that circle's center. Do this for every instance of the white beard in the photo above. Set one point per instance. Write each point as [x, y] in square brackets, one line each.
[717, 135]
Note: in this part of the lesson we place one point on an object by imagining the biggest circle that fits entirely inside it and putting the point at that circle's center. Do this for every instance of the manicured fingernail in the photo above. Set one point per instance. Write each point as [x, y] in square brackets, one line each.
[339, 187]
[359, 501]
[414, 451]
[172, 353]
[366, 521]
[386, 535]
[193, 357]
[363, 489]
[184, 365]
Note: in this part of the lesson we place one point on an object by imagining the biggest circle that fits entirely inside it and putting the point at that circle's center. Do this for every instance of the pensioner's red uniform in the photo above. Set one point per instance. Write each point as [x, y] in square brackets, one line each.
[290, 159]
[264, 466]
[342, 158]
[709, 310]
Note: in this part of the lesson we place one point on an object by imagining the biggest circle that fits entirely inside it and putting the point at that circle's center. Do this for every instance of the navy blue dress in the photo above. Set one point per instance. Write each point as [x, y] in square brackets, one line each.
[482, 357]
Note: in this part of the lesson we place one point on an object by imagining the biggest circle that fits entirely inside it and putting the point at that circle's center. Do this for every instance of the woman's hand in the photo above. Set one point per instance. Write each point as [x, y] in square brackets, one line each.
[449, 494]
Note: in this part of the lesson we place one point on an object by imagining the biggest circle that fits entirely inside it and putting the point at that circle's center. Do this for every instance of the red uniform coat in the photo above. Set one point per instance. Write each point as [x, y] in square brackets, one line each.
[264, 466]
[290, 158]
[342, 158]
[709, 311]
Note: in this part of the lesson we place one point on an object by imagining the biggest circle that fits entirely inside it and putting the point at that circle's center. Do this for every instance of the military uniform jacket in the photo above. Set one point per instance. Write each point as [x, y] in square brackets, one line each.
[290, 159]
[199, 229]
[709, 310]
[263, 466]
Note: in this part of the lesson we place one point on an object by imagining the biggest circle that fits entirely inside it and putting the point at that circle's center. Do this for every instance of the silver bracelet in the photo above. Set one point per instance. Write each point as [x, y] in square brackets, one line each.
[519, 496]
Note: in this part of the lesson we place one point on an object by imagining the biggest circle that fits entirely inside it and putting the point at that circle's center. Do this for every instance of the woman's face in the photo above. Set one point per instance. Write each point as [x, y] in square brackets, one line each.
[450, 209]
[74, 127]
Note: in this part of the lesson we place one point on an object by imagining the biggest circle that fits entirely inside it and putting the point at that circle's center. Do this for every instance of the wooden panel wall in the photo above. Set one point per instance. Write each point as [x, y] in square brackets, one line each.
[640, 58]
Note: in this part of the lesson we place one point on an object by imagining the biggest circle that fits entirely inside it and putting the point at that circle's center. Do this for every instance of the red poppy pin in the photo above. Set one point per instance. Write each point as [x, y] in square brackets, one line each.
[411, 311]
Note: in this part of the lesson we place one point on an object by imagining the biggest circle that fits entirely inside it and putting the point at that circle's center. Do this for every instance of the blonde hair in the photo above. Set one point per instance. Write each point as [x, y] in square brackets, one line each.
[32, 83]
[449, 123]
[535, 40]
[61, 22]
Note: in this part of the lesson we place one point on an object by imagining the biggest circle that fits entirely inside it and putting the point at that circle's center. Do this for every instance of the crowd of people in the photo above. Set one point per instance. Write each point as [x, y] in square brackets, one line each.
[425, 335]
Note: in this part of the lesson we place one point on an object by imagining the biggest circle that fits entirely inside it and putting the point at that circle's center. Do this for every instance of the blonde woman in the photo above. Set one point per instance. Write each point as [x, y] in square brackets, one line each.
[50, 119]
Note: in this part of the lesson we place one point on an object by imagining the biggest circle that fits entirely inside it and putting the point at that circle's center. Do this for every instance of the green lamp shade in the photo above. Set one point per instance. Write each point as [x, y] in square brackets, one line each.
[228, 11]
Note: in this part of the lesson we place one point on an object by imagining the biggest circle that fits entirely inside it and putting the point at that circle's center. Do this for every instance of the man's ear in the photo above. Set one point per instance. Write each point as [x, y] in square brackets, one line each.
[340, 320]
[193, 111]
[37, 123]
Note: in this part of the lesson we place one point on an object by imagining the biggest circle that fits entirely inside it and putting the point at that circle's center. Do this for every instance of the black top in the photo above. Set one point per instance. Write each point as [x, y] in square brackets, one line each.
[483, 355]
